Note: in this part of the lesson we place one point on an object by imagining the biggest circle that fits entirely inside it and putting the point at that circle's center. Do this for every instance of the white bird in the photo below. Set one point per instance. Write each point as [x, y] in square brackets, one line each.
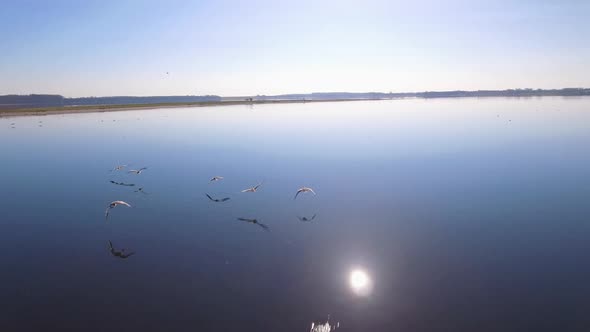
[137, 171]
[216, 178]
[253, 189]
[113, 205]
[304, 190]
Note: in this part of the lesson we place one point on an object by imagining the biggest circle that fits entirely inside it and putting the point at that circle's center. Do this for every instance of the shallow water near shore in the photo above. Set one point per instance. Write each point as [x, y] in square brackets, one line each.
[462, 214]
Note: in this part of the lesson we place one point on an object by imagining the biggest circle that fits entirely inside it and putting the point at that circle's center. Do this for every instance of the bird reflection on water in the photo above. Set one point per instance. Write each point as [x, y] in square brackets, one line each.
[141, 190]
[217, 200]
[122, 184]
[306, 219]
[119, 253]
[256, 222]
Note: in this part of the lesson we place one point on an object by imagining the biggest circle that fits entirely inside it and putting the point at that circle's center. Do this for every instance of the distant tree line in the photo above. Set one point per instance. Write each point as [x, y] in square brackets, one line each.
[39, 100]
[431, 94]
[122, 100]
[31, 100]
[26, 101]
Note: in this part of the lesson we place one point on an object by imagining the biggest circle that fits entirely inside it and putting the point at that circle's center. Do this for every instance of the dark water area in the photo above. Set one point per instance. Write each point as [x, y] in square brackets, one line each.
[447, 214]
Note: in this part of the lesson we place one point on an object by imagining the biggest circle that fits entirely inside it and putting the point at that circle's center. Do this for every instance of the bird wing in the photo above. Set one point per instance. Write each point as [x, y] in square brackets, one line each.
[127, 255]
[311, 190]
[209, 197]
[244, 219]
[106, 213]
[225, 199]
[263, 226]
[297, 194]
[247, 190]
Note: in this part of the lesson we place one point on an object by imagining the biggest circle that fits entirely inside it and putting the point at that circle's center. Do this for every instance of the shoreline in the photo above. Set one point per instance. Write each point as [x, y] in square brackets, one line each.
[6, 113]
[53, 110]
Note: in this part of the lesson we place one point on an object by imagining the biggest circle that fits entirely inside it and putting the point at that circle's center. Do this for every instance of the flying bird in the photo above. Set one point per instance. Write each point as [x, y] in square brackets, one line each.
[113, 205]
[253, 189]
[306, 219]
[216, 178]
[137, 171]
[119, 253]
[225, 199]
[255, 221]
[304, 190]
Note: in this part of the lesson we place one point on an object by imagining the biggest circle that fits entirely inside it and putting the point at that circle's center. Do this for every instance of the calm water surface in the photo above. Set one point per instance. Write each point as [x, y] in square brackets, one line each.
[464, 215]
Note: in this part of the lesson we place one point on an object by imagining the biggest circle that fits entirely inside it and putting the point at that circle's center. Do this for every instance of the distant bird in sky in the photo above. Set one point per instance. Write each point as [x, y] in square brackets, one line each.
[119, 253]
[137, 171]
[255, 221]
[304, 190]
[253, 189]
[306, 219]
[225, 199]
[216, 178]
[167, 73]
[113, 205]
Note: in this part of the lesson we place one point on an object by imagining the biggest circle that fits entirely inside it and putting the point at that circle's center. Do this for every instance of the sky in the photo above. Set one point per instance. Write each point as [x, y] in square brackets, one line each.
[235, 48]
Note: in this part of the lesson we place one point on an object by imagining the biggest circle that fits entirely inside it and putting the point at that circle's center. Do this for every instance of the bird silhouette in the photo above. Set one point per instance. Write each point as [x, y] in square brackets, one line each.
[306, 219]
[119, 253]
[255, 221]
[218, 200]
[122, 184]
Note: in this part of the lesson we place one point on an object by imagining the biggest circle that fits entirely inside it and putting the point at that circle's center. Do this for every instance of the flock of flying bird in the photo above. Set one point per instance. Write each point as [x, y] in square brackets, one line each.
[121, 253]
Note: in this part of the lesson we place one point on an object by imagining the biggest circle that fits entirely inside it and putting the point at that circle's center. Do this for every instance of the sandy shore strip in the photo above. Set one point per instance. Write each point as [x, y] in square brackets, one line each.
[4, 113]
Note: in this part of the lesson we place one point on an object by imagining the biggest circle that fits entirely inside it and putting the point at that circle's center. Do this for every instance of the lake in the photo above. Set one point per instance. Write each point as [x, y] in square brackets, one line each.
[430, 215]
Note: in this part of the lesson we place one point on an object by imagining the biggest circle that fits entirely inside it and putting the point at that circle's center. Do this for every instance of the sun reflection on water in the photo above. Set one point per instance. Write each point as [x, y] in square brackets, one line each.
[360, 282]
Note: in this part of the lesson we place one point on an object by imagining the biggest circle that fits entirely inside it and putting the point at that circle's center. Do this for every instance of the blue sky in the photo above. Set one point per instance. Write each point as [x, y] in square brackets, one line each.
[125, 47]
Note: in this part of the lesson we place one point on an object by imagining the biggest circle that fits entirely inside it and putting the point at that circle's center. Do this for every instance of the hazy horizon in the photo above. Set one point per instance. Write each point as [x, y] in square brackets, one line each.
[115, 48]
[300, 93]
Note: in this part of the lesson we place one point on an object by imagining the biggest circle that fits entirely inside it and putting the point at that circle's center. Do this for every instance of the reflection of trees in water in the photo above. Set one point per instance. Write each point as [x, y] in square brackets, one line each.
[324, 327]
